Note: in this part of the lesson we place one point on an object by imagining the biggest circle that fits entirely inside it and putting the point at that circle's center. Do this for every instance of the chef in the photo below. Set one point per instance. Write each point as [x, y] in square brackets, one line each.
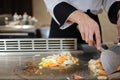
[78, 19]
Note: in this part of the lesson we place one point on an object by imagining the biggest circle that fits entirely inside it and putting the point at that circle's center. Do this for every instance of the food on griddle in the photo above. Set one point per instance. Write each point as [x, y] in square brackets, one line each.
[59, 61]
[102, 77]
[118, 68]
[96, 67]
[30, 69]
[77, 77]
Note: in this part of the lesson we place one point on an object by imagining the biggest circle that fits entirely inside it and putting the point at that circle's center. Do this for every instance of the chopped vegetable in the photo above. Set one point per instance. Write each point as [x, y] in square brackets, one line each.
[60, 60]
[102, 72]
[118, 68]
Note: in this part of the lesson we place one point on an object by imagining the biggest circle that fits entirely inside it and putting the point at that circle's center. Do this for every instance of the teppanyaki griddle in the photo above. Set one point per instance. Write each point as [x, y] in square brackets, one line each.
[65, 74]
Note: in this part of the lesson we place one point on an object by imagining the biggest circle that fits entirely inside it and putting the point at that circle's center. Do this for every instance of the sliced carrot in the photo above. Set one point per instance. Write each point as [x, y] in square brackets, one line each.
[98, 62]
[61, 60]
[118, 68]
[102, 73]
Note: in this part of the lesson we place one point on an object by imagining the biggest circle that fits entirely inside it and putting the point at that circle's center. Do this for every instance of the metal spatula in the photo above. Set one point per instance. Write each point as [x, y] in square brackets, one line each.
[111, 59]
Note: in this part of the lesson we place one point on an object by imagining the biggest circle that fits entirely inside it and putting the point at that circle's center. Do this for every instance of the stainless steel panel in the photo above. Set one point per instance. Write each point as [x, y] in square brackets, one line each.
[38, 44]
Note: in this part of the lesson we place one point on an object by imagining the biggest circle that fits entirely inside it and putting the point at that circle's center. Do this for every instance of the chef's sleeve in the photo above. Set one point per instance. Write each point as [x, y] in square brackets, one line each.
[60, 10]
[112, 7]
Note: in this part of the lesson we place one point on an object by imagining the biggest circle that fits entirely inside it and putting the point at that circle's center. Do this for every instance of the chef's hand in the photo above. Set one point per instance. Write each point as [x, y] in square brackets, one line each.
[118, 25]
[87, 27]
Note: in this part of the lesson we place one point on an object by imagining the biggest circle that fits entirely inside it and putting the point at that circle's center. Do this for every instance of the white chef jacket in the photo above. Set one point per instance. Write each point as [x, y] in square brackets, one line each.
[95, 7]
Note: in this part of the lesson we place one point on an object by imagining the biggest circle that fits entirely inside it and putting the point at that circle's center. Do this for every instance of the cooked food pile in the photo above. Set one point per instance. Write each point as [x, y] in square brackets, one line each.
[61, 60]
[96, 67]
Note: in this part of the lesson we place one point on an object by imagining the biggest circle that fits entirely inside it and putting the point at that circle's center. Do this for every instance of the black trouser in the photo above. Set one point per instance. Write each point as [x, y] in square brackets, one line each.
[71, 31]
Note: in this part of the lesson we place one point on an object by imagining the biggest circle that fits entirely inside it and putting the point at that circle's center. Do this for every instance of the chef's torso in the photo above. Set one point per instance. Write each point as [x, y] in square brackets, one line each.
[84, 5]
[94, 6]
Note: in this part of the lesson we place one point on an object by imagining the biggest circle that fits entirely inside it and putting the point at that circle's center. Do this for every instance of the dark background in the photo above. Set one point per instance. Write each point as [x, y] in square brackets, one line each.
[19, 6]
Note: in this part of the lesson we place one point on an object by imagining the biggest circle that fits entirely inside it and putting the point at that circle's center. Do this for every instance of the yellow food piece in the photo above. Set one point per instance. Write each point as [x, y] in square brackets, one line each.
[75, 59]
[49, 64]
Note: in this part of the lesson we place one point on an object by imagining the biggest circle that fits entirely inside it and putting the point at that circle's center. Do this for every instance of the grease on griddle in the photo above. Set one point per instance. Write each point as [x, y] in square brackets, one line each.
[30, 69]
